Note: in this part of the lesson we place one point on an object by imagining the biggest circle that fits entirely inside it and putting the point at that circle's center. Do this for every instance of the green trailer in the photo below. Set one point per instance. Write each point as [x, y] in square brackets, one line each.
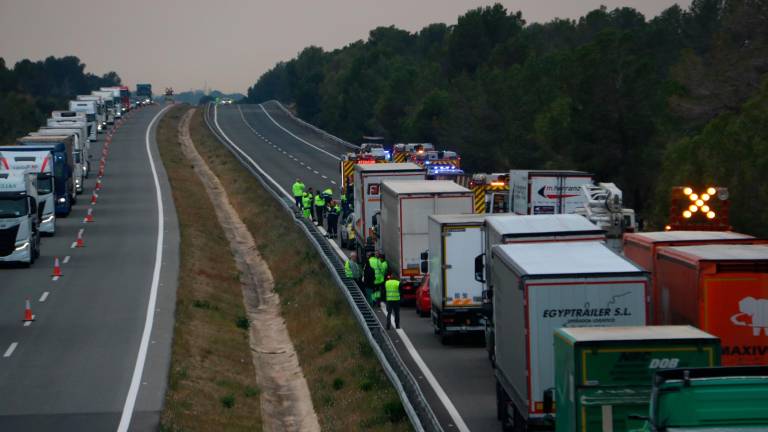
[603, 375]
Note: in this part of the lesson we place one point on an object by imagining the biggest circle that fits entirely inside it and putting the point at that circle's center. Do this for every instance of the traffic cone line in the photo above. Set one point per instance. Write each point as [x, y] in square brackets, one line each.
[98, 184]
[89, 216]
[79, 242]
[56, 268]
[28, 317]
[94, 196]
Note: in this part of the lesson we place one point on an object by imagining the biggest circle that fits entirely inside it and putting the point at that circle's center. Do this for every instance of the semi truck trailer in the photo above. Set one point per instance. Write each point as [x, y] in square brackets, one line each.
[539, 288]
[19, 220]
[101, 112]
[63, 169]
[541, 192]
[39, 163]
[89, 109]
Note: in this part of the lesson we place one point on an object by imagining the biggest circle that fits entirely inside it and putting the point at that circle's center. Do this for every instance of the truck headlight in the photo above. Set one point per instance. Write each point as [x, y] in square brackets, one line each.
[98, 127]
[21, 246]
[62, 200]
[48, 218]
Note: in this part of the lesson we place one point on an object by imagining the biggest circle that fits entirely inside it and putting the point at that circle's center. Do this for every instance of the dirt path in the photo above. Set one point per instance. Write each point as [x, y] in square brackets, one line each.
[286, 404]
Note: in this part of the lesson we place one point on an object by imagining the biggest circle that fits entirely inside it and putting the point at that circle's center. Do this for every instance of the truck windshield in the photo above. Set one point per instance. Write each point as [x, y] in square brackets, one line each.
[13, 207]
[44, 184]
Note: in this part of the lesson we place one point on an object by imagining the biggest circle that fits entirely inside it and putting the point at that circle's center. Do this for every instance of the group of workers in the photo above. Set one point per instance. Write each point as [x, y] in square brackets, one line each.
[320, 206]
[377, 281]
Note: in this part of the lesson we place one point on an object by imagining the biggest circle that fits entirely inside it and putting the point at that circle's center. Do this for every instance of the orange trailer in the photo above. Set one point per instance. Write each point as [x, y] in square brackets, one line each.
[721, 289]
[641, 249]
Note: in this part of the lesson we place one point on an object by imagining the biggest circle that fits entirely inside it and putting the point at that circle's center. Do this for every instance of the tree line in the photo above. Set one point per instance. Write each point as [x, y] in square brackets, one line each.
[32, 89]
[646, 103]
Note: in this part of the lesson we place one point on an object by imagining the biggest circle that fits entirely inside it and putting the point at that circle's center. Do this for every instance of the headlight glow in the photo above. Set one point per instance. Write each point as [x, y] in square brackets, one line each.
[48, 218]
[22, 246]
[62, 200]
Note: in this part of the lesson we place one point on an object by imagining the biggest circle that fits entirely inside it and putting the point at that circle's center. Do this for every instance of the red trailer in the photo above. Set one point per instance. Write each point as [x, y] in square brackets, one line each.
[641, 249]
[721, 289]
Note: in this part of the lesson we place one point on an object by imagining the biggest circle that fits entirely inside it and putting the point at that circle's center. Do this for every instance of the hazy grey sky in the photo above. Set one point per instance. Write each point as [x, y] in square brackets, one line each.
[229, 43]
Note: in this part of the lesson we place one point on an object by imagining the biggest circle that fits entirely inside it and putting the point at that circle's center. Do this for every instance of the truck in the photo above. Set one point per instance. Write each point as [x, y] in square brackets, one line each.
[603, 375]
[39, 163]
[604, 206]
[101, 111]
[367, 197]
[19, 219]
[78, 169]
[88, 108]
[82, 153]
[641, 249]
[60, 120]
[491, 191]
[117, 98]
[708, 399]
[456, 297]
[537, 192]
[405, 208]
[110, 109]
[402, 151]
[61, 149]
[144, 93]
[513, 229]
[721, 289]
[539, 288]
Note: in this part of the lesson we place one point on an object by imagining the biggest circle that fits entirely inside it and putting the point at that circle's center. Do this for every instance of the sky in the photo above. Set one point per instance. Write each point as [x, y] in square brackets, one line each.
[227, 44]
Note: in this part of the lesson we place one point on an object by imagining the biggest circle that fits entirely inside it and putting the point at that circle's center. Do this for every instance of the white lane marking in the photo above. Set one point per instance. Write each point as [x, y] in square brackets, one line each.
[248, 158]
[11, 349]
[44, 296]
[54, 278]
[291, 134]
[301, 163]
[452, 411]
[325, 177]
[29, 323]
[66, 259]
[73, 245]
[141, 357]
[316, 172]
[309, 168]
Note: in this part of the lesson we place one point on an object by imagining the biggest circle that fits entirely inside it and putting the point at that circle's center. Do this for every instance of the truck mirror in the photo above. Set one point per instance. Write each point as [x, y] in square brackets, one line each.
[549, 396]
[32, 206]
[425, 256]
[425, 266]
[480, 268]
[375, 220]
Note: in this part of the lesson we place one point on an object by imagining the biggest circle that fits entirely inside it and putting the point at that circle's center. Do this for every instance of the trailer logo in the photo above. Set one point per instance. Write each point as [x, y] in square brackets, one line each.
[589, 314]
[752, 313]
[556, 192]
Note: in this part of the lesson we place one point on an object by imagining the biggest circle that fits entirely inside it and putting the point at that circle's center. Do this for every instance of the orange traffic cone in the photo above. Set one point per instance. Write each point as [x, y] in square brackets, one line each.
[80, 243]
[89, 216]
[56, 267]
[98, 184]
[28, 313]
[93, 198]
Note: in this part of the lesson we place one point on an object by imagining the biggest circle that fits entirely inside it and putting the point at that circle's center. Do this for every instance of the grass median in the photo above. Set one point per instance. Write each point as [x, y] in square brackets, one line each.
[212, 382]
[349, 388]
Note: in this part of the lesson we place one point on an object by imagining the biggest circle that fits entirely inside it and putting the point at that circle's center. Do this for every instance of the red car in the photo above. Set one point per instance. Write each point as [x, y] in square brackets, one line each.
[423, 300]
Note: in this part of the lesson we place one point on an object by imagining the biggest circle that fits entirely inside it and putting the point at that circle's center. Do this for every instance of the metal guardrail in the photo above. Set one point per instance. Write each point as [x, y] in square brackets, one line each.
[315, 128]
[416, 406]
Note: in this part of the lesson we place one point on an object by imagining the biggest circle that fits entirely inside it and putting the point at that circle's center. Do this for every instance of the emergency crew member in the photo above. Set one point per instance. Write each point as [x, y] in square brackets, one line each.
[319, 208]
[333, 219]
[352, 269]
[369, 277]
[378, 280]
[298, 192]
[384, 269]
[306, 205]
[311, 195]
[392, 287]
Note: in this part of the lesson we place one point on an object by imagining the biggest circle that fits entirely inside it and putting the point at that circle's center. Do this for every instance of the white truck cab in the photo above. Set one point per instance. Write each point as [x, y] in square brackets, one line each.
[101, 111]
[19, 232]
[82, 145]
[109, 103]
[39, 163]
[89, 109]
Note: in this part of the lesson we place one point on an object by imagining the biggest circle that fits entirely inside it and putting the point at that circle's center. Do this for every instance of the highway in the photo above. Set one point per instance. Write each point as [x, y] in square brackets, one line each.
[457, 379]
[96, 357]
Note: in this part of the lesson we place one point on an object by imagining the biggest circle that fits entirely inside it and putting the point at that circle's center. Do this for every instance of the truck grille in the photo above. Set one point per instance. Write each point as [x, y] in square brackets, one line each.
[8, 240]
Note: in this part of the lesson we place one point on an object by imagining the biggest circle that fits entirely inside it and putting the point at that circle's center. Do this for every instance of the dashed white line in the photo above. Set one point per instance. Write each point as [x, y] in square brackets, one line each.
[325, 177]
[291, 134]
[66, 259]
[316, 172]
[44, 296]
[29, 323]
[333, 181]
[73, 245]
[301, 163]
[11, 349]
[54, 278]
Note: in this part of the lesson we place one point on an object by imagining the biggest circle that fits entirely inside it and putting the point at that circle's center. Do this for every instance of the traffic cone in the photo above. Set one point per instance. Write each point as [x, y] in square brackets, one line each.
[98, 184]
[56, 267]
[93, 198]
[80, 243]
[28, 313]
[88, 217]
[101, 172]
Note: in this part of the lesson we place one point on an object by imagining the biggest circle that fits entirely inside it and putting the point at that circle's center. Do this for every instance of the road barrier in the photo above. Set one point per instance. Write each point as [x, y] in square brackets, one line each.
[416, 406]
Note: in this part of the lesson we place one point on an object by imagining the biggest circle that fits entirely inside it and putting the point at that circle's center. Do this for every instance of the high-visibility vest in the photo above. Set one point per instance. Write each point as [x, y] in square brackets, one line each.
[328, 193]
[298, 189]
[378, 275]
[352, 270]
[319, 200]
[384, 267]
[392, 288]
[307, 201]
[334, 210]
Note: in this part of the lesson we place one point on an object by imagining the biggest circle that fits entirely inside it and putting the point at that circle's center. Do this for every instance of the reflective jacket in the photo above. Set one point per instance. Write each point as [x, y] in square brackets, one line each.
[392, 288]
[298, 189]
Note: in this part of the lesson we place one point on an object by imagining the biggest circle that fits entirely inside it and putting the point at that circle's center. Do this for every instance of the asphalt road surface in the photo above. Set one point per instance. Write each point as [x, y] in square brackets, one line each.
[93, 359]
[457, 379]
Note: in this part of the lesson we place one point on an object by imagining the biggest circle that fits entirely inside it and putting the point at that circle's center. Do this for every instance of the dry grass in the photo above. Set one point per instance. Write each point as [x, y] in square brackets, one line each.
[348, 386]
[212, 382]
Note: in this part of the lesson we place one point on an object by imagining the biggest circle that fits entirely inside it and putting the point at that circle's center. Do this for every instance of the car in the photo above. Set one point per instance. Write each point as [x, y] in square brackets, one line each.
[423, 300]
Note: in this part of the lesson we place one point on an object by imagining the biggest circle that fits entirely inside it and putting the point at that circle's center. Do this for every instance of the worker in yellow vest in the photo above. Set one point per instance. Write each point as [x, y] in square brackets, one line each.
[392, 288]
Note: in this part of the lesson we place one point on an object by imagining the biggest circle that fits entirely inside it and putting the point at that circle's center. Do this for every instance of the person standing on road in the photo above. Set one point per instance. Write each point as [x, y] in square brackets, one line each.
[384, 269]
[298, 192]
[306, 205]
[352, 269]
[378, 280]
[392, 287]
[311, 196]
[333, 219]
[319, 208]
[369, 277]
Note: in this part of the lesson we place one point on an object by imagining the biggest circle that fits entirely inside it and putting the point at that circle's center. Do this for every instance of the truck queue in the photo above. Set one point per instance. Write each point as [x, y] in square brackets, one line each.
[578, 310]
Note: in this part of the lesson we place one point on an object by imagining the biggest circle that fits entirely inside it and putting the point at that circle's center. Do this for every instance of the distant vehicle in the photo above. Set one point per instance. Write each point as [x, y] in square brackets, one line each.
[101, 111]
[539, 288]
[144, 93]
[89, 109]
[542, 192]
[39, 163]
[63, 168]
[709, 399]
[111, 108]
[117, 100]
[226, 101]
[78, 172]
[19, 221]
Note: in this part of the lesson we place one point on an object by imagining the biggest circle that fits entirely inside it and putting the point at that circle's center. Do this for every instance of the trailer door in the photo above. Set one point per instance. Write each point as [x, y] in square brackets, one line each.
[460, 246]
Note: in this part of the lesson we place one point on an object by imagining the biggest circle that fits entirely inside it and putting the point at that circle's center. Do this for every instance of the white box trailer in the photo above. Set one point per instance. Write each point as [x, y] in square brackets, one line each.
[511, 229]
[545, 286]
[83, 144]
[539, 192]
[89, 109]
[77, 152]
[367, 202]
[405, 208]
[455, 294]
[101, 110]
